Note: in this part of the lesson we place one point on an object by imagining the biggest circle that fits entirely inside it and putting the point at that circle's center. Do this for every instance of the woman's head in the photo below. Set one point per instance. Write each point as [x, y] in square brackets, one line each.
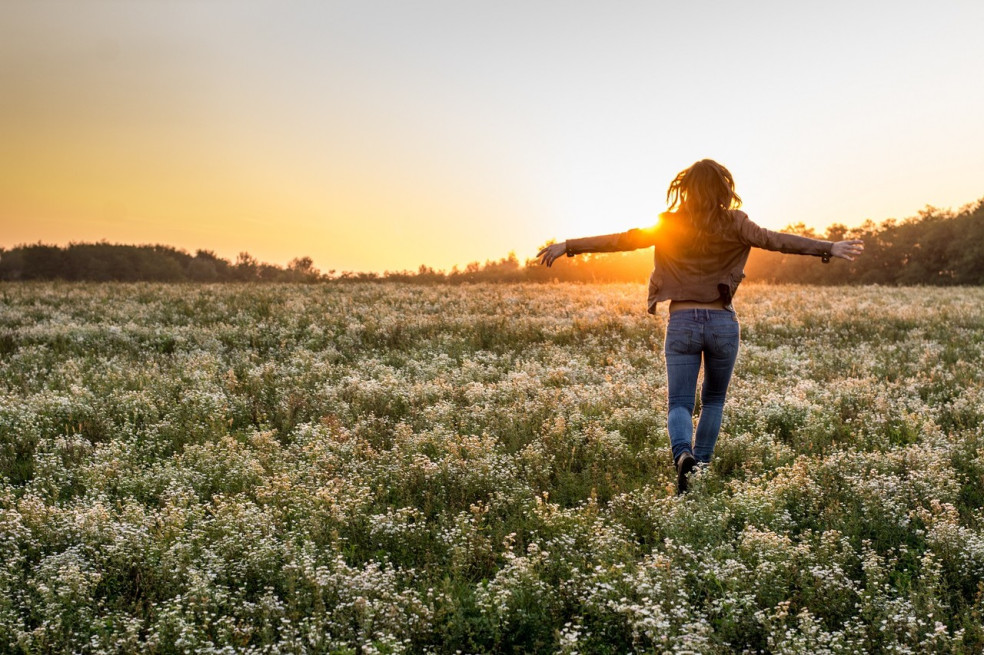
[705, 191]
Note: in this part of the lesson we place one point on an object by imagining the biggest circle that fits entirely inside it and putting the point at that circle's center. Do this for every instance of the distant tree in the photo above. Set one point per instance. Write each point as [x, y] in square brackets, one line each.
[160, 264]
[270, 273]
[12, 264]
[302, 269]
[41, 262]
[247, 268]
[202, 270]
[206, 266]
[428, 274]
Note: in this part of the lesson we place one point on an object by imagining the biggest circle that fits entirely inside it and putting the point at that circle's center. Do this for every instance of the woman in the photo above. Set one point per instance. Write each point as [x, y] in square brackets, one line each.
[701, 246]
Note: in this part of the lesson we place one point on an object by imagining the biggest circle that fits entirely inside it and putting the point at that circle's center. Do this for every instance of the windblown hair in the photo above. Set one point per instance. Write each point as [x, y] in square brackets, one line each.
[705, 192]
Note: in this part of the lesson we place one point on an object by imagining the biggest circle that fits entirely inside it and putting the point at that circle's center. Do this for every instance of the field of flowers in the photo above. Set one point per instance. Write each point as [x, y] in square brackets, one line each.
[380, 468]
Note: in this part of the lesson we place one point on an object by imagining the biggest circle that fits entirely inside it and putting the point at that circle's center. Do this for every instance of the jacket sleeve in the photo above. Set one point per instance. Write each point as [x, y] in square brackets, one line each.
[759, 237]
[631, 240]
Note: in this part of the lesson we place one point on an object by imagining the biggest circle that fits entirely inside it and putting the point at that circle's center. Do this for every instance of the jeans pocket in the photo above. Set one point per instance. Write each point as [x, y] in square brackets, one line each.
[725, 340]
[679, 340]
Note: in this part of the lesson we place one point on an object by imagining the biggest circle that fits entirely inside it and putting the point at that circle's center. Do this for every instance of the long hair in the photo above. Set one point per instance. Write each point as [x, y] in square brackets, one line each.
[704, 192]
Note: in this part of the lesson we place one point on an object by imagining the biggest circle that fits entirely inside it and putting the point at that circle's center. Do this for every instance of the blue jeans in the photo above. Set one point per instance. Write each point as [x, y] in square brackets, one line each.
[692, 334]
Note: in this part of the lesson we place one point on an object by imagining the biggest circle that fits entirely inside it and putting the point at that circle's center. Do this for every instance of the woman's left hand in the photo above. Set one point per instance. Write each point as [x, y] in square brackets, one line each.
[552, 252]
[847, 249]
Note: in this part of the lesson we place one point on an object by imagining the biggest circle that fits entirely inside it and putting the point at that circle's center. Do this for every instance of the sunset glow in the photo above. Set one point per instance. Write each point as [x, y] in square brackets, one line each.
[384, 135]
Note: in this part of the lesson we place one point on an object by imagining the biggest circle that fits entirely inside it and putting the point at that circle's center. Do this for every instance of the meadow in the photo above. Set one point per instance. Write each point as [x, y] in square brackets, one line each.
[387, 468]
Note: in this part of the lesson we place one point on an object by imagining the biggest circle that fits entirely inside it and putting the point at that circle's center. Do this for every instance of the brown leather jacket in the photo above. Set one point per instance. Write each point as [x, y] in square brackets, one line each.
[682, 271]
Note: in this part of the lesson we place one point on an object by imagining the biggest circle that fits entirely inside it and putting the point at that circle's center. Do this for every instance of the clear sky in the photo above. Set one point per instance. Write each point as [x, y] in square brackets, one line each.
[379, 135]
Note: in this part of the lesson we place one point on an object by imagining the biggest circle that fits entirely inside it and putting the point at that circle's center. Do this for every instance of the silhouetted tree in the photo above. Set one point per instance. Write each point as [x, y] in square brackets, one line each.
[302, 269]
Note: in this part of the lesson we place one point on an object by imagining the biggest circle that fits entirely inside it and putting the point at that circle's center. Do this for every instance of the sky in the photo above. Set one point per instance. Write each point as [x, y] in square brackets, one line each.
[376, 135]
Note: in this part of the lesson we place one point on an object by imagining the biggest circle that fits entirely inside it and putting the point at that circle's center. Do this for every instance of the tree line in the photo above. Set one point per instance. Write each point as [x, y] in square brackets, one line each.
[936, 247]
[108, 262]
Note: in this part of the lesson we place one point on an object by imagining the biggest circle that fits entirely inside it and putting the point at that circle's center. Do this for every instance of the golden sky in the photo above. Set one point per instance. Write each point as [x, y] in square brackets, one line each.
[381, 135]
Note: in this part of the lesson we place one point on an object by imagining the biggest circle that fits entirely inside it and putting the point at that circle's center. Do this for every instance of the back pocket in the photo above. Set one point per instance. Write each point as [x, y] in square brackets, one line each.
[725, 340]
[679, 340]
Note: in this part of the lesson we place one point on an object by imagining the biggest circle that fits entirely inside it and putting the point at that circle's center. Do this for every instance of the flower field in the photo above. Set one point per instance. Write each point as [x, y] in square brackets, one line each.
[386, 468]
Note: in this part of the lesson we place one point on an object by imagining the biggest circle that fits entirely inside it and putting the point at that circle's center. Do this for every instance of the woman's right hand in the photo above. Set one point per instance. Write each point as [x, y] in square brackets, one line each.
[552, 252]
[847, 249]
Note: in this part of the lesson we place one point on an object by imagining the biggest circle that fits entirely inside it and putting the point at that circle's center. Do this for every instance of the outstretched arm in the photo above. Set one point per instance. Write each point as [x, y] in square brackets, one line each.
[760, 237]
[622, 241]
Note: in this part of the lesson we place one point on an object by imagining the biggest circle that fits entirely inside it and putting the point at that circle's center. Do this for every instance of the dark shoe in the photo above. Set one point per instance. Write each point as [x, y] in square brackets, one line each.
[684, 465]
